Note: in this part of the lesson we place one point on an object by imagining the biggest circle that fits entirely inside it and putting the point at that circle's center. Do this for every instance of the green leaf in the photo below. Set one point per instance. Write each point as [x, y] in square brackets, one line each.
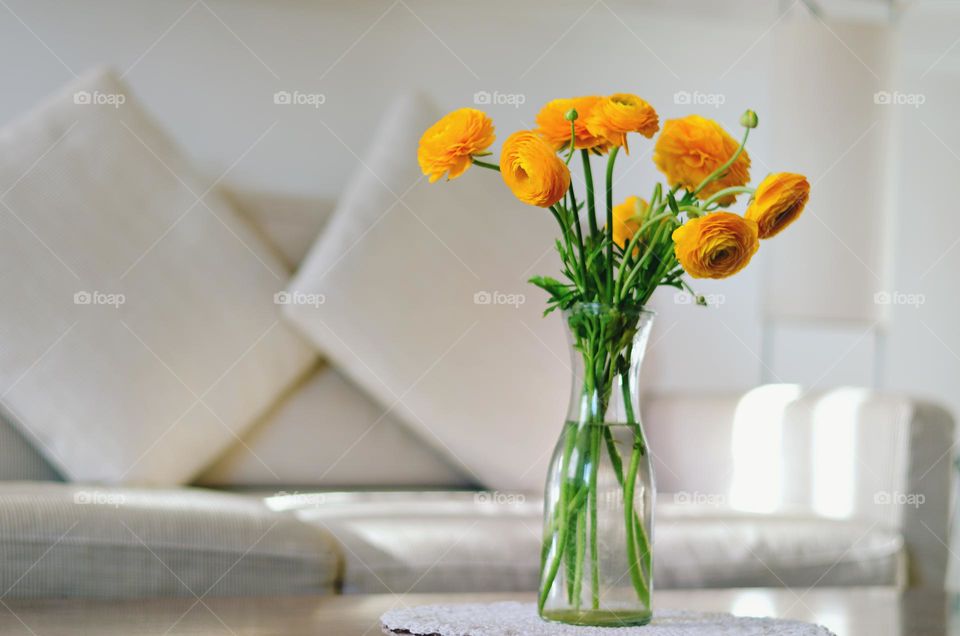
[550, 285]
[673, 203]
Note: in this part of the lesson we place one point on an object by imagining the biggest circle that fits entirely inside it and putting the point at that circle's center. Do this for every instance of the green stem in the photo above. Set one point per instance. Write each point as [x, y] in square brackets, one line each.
[594, 551]
[646, 554]
[565, 231]
[629, 486]
[570, 552]
[579, 232]
[693, 211]
[576, 519]
[563, 526]
[485, 164]
[727, 191]
[578, 559]
[588, 177]
[610, 162]
[573, 140]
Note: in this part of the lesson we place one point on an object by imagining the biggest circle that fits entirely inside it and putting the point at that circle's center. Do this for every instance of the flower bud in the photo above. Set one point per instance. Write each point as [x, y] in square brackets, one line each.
[748, 119]
[571, 115]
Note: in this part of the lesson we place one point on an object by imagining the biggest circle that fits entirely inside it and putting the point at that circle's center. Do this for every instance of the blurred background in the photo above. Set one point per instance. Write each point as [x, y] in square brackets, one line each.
[859, 95]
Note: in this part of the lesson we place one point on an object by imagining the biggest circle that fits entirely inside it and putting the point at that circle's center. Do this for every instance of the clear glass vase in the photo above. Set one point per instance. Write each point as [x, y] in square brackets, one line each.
[596, 561]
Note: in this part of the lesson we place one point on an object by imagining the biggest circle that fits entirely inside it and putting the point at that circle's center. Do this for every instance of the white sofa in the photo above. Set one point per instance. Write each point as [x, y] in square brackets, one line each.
[887, 527]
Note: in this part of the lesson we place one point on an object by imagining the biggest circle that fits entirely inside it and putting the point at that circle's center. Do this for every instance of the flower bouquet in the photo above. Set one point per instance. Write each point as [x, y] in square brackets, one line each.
[596, 561]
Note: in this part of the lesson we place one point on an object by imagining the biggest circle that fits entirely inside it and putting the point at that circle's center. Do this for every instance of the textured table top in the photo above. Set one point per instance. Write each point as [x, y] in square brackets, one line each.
[510, 618]
[845, 611]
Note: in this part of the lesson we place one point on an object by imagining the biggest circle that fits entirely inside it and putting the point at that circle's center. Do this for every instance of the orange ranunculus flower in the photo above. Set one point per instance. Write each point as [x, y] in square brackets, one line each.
[690, 149]
[627, 219]
[613, 117]
[449, 145]
[717, 245]
[778, 201]
[532, 170]
[554, 127]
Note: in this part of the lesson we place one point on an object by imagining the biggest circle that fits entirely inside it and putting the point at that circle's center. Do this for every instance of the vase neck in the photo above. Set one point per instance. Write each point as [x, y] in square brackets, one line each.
[606, 352]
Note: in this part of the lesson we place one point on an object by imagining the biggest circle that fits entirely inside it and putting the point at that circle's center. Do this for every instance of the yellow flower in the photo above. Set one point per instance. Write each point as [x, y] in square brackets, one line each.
[778, 201]
[627, 219]
[449, 145]
[532, 170]
[690, 149]
[554, 127]
[717, 245]
[615, 116]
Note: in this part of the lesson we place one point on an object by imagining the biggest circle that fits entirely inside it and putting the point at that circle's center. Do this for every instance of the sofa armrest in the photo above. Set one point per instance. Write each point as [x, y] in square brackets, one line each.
[926, 523]
[845, 453]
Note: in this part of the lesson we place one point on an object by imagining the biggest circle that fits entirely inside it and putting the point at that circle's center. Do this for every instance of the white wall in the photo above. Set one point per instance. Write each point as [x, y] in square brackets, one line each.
[923, 351]
[208, 70]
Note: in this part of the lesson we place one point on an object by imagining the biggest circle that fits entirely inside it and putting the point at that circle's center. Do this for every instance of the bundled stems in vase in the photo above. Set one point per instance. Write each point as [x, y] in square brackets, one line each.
[604, 340]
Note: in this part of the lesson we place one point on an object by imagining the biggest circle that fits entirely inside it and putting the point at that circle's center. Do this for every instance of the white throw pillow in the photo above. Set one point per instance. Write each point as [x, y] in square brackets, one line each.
[427, 306]
[328, 433]
[138, 329]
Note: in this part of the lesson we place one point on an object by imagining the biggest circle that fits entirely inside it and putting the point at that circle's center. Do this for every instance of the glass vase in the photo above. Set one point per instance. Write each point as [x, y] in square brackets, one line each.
[596, 561]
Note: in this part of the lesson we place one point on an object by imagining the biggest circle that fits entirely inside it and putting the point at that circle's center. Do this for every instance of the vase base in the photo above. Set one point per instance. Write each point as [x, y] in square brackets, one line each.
[598, 618]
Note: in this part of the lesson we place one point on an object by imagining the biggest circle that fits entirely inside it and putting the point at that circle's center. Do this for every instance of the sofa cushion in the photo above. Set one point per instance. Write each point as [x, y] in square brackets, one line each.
[59, 540]
[490, 542]
[135, 296]
[328, 433]
[426, 301]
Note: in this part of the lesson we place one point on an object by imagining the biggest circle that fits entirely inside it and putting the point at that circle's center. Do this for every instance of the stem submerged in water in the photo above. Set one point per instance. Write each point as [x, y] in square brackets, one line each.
[602, 467]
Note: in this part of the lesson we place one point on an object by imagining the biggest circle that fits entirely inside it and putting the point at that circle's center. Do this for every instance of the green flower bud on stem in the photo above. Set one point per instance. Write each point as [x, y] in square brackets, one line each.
[748, 119]
[571, 114]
